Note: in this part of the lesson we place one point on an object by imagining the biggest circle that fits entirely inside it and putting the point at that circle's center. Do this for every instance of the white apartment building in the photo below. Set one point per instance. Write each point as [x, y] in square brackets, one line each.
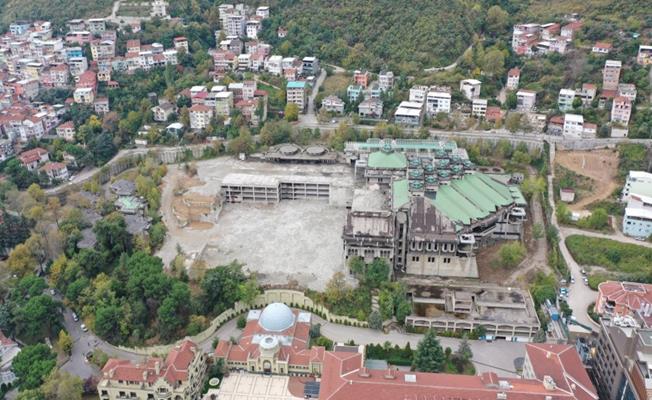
[565, 99]
[333, 104]
[621, 110]
[296, 93]
[573, 126]
[479, 108]
[77, 65]
[409, 113]
[223, 103]
[637, 194]
[274, 65]
[252, 29]
[236, 25]
[200, 116]
[418, 93]
[438, 102]
[84, 96]
[385, 80]
[470, 88]
[611, 74]
[513, 78]
[525, 100]
[262, 11]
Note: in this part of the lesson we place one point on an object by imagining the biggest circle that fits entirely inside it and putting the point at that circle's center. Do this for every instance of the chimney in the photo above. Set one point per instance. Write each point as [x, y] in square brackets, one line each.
[549, 383]
[157, 367]
[364, 372]
[390, 374]
[145, 375]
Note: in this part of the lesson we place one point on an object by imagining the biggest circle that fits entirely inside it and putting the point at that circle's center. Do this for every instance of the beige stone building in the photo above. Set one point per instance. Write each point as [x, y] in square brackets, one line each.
[180, 376]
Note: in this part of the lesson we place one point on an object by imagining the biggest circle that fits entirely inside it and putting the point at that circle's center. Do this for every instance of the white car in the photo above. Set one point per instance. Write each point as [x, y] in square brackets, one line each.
[84, 328]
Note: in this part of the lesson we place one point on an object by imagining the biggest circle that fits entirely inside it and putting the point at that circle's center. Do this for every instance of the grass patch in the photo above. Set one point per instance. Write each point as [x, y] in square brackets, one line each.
[622, 258]
[336, 83]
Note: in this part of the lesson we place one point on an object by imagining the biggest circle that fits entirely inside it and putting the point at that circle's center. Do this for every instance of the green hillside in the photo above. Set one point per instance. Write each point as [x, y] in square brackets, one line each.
[374, 33]
[57, 11]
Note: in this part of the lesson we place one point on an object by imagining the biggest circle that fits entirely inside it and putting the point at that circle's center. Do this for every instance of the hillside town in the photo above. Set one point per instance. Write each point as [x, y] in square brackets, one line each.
[204, 201]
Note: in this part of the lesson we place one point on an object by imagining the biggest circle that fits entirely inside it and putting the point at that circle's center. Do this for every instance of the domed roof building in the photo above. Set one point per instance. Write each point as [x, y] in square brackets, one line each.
[275, 340]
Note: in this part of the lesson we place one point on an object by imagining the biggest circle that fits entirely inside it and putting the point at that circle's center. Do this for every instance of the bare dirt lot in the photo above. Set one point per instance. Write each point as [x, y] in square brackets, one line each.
[599, 165]
[290, 241]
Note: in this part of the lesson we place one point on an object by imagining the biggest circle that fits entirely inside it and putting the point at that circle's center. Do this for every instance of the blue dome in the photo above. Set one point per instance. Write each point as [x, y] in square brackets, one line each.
[276, 317]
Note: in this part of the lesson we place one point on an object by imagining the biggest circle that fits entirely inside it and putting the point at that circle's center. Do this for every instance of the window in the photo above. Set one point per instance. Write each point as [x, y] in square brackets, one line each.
[431, 259]
[447, 260]
[415, 258]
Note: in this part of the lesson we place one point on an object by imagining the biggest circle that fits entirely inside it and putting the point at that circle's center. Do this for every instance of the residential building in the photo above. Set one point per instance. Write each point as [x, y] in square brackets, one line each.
[418, 93]
[513, 77]
[611, 74]
[96, 25]
[159, 9]
[66, 131]
[101, 105]
[568, 30]
[311, 66]
[296, 93]
[55, 171]
[333, 104]
[179, 376]
[133, 46]
[558, 366]
[438, 101]
[252, 27]
[637, 194]
[621, 110]
[556, 125]
[8, 351]
[623, 299]
[281, 32]
[84, 96]
[181, 42]
[361, 78]
[275, 340]
[77, 65]
[601, 48]
[385, 80]
[6, 149]
[587, 94]
[493, 114]
[565, 99]
[479, 108]
[262, 11]
[525, 100]
[19, 28]
[79, 37]
[644, 56]
[627, 90]
[470, 88]
[274, 65]
[235, 25]
[573, 126]
[224, 103]
[200, 116]
[524, 37]
[31, 159]
[354, 92]
[370, 108]
[163, 111]
[409, 113]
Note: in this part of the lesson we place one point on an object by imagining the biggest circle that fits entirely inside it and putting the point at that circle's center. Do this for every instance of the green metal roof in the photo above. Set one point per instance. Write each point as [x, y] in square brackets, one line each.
[400, 193]
[473, 197]
[518, 197]
[411, 144]
[296, 85]
[384, 160]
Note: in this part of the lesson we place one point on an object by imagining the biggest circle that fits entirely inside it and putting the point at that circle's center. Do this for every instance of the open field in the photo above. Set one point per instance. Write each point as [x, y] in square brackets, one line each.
[293, 241]
[601, 166]
[336, 83]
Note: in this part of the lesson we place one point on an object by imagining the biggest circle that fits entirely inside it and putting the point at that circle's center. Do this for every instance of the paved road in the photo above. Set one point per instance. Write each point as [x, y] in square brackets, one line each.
[580, 296]
[498, 356]
[617, 236]
[309, 117]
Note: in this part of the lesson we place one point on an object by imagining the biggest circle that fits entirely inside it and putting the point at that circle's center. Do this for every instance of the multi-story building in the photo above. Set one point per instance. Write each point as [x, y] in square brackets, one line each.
[611, 74]
[565, 99]
[601, 48]
[252, 28]
[274, 65]
[568, 30]
[181, 42]
[479, 108]
[418, 93]
[587, 93]
[644, 56]
[409, 113]
[513, 77]
[621, 110]
[55, 171]
[180, 376]
[438, 101]
[311, 66]
[627, 90]
[573, 126]
[637, 194]
[361, 78]
[235, 25]
[8, 351]
[77, 65]
[525, 100]
[385, 80]
[370, 108]
[275, 340]
[470, 88]
[31, 159]
[224, 103]
[262, 11]
[6, 149]
[354, 92]
[84, 96]
[102, 49]
[333, 104]
[296, 93]
[200, 116]
[159, 9]
[66, 131]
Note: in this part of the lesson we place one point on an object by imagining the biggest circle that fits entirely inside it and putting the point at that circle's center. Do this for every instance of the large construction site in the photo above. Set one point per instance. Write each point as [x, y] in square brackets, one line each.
[296, 216]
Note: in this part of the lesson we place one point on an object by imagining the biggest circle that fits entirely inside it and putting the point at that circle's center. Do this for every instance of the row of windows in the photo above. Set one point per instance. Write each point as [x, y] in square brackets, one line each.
[445, 260]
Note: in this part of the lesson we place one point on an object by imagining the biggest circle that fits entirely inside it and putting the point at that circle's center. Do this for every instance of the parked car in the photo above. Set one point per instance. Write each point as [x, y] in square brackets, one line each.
[75, 317]
[84, 328]
[572, 280]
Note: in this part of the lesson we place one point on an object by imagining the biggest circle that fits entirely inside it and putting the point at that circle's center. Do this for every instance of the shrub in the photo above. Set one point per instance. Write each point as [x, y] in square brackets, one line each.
[242, 322]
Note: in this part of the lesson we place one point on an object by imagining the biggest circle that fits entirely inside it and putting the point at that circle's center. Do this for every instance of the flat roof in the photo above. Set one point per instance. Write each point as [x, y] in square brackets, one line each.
[296, 85]
[393, 160]
[408, 112]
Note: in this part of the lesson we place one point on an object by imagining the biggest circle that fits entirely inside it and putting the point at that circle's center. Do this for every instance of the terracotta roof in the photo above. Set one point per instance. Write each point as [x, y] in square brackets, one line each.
[626, 294]
[562, 363]
[199, 108]
[67, 125]
[345, 378]
[603, 45]
[30, 156]
[622, 99]
[514, 72]
[557, 119]
[53, 166]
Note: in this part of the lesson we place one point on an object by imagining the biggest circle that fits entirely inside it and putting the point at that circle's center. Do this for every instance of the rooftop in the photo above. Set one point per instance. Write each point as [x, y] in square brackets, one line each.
[384, 160]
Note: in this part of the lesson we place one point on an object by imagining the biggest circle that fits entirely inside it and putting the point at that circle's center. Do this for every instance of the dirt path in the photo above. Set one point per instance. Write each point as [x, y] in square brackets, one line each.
[537, 258]
[599, 165]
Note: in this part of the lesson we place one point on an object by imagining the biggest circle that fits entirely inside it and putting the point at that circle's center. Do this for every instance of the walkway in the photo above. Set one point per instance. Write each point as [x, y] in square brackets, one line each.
[537, 259]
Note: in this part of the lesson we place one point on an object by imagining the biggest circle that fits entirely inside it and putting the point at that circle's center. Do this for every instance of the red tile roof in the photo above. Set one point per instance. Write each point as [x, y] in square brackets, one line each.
[514, 72]
[345, 378]
[562, 363]
[33, 155]
[628, 297]
[603, 45]
[199, 108]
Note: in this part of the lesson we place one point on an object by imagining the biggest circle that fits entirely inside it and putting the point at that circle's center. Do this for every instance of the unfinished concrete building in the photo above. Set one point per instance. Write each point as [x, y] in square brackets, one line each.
[505, 313]
[442, 209]
[291, 153]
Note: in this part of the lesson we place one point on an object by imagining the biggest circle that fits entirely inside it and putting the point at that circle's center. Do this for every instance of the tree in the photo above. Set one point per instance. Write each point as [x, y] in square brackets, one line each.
[429, 355]
[464, 350]
[511, 101]
[375, 320]
[377, 273]
[538, 230]
[533, 186]
[513, 122]
[511, 254]
[37, 319]
[32, 365]
[63, 385]
[336, 288]
[221, 288]
[112, 235]
[493, 62]
[107, 322]
[291, 112]
[386, 304]
[21, 260]
[65, 342]
[497, 20]
[248, 291]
